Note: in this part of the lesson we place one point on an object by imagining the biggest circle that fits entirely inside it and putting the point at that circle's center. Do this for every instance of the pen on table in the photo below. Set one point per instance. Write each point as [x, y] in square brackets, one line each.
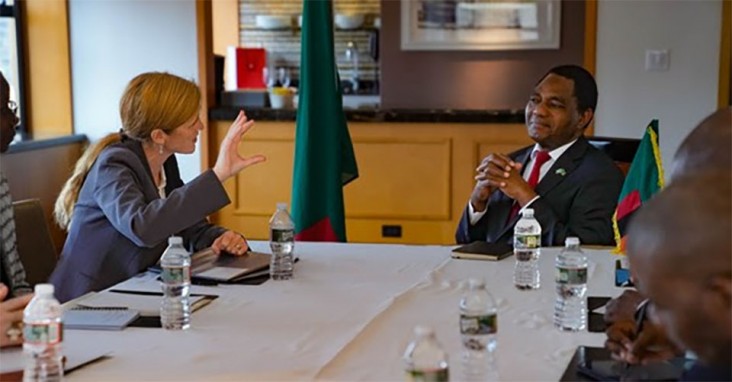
[92, 307]
[640, 316]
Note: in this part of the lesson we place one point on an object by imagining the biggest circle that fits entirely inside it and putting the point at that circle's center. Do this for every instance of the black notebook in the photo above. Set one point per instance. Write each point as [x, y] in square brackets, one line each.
[481, 250]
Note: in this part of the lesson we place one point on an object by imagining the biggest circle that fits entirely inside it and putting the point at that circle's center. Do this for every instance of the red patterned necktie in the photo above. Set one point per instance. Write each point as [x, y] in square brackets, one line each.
[542, 157]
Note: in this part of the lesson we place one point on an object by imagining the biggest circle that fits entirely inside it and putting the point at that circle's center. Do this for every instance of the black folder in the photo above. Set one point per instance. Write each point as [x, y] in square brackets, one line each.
[481, 250]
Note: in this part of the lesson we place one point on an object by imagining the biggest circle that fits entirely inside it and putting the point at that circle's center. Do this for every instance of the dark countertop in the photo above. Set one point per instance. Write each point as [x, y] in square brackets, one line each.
[228, 113]
[30, 145]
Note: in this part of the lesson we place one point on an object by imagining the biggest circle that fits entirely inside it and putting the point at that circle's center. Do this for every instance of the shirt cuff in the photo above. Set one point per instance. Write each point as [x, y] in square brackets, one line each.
[527, 205]
[475, 216]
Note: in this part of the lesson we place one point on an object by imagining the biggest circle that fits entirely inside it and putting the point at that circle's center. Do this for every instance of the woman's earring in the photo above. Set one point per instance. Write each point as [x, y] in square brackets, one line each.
[160, 149]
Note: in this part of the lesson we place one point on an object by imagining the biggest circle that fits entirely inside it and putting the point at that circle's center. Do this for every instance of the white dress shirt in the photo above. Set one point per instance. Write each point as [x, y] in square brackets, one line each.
[553, 156]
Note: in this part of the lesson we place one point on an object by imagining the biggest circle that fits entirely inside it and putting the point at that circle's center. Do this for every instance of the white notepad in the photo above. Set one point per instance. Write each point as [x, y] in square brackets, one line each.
[98, 319]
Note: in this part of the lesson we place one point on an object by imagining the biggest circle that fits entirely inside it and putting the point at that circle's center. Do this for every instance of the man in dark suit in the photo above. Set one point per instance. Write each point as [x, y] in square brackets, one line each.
[572, 187]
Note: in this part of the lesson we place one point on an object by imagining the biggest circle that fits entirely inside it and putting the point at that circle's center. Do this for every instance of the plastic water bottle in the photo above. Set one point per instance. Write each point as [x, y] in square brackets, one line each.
[527, 249]
[570, 308]
[282, 243]
[478, 328]
[175, 310]
[424, 358]
[42, 335]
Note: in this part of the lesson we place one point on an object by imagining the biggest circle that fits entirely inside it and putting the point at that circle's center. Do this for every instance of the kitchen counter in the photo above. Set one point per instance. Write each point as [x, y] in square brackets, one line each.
[227, 113]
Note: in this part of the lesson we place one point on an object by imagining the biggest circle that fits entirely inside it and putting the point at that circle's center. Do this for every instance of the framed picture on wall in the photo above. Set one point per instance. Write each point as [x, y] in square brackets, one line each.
[480, 24]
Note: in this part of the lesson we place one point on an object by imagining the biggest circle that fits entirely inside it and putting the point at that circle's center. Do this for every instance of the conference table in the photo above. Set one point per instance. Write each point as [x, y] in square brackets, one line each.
[347, 314]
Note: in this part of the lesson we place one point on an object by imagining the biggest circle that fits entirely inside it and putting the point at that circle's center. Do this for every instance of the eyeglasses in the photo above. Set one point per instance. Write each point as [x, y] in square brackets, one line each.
[13, 106]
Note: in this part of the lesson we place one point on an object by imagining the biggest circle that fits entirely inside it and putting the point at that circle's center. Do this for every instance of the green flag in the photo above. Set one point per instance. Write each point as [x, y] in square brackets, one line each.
[324, 159]
[644, 179]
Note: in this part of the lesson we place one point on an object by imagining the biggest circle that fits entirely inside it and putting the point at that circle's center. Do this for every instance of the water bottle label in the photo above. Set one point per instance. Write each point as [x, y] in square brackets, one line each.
[478, 325]
[571, 275]
[526, 241]
[440, 375]
[283, 235]
[42, 334]
[176, 275]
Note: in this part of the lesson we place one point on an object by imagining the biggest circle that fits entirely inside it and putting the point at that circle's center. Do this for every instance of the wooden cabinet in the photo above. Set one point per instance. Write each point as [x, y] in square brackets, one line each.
[412, 176]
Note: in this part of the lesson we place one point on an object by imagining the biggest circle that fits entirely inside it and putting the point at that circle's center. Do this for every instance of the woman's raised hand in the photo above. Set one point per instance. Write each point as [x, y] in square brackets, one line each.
[229, 162]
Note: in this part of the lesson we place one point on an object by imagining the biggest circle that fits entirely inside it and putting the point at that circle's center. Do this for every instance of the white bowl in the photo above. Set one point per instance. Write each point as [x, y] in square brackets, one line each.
[273, 21]
[349, 20]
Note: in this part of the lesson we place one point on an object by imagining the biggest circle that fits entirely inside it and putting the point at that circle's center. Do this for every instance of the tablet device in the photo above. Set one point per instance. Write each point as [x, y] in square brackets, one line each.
[596, 319]
[597, 364]
[611, 370]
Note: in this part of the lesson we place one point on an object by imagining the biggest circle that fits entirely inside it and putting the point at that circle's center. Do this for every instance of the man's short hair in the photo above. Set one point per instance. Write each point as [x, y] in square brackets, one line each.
[585, 87]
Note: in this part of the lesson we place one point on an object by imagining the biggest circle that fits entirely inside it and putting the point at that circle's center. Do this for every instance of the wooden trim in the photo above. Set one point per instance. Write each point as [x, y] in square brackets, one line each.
[204, 37]
[225, 25]
[723, 97]
[48, 68]
[590, 47]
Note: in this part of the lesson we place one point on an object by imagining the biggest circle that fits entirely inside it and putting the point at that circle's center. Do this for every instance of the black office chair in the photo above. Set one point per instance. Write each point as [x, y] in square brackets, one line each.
[621, 150]
[34, 242]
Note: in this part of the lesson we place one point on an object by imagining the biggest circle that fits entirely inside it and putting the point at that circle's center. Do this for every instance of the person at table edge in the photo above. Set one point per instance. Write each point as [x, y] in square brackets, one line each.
[126, 197]
[576, 187]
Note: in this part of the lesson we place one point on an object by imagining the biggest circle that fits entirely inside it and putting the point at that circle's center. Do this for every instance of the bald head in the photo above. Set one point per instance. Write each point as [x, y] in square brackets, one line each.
[707, 147]
[692, 216]
[680, 249]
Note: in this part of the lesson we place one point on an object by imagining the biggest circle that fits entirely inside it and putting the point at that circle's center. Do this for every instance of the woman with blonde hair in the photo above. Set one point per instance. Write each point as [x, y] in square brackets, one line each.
[125, 197]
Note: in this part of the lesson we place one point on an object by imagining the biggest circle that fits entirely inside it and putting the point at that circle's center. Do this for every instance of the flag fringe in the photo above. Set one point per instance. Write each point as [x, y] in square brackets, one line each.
[616, 231]
[656, 155]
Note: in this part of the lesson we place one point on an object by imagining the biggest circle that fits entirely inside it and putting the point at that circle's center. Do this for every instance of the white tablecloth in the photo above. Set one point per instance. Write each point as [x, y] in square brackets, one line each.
[347, 315]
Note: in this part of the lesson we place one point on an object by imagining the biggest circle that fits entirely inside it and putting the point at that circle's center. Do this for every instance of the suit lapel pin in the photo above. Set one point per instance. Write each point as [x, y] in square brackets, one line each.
[561, 172]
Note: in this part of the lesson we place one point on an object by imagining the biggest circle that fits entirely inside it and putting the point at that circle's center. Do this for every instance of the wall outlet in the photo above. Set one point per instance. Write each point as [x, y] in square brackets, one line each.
[657, 60]
[391, 231]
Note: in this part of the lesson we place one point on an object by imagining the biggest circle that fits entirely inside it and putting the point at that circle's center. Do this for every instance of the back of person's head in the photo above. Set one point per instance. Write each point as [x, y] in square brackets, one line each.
[585, 87]
[157, 101]
[680, 250]
[4, 86]
[151, 101]
[707, 147]
[8, 116]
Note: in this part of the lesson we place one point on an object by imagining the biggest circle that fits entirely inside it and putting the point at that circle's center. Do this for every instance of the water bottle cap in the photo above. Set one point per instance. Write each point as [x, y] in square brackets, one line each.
[571, 241]
[175, 240]
[44, 289]
[476, 283]
[527, 212]
[282, 206]
[423, 330]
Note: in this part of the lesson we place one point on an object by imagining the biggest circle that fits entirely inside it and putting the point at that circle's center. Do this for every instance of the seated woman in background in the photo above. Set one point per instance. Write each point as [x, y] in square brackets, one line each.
[126, 197]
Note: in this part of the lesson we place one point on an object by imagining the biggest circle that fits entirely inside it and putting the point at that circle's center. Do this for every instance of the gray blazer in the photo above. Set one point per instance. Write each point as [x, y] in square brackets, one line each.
[120, 224]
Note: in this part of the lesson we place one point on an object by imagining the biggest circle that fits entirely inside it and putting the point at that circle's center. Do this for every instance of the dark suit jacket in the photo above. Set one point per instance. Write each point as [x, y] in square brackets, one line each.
[579, 203]
[120, 225]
